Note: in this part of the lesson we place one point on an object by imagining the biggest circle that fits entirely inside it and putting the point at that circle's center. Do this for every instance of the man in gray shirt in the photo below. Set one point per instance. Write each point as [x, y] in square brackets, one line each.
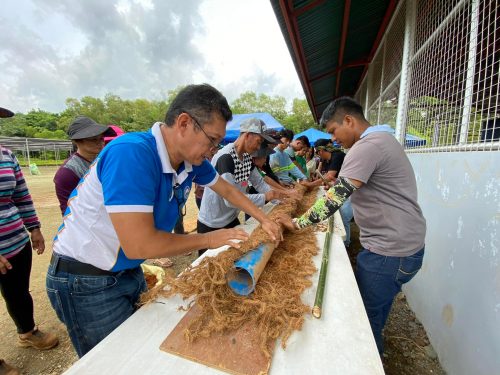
[380, 178]
[234, 163]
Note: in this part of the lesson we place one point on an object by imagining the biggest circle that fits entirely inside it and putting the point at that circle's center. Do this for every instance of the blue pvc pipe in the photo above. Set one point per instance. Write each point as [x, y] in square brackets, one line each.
[247, 269]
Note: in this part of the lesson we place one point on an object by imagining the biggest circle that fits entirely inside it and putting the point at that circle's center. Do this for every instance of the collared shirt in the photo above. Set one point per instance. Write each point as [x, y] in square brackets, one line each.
[16, 206]
[377, 128]
[132, 174]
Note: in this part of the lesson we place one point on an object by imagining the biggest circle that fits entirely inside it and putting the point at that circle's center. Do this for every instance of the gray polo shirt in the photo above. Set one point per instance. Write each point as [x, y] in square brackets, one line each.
[385, 207]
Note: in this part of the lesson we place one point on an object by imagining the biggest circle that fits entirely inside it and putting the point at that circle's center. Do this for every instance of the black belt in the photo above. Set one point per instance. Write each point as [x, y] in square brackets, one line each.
[77, 268]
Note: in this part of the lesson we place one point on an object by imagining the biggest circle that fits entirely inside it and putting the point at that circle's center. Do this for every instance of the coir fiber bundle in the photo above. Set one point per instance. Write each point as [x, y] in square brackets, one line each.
[275, 307]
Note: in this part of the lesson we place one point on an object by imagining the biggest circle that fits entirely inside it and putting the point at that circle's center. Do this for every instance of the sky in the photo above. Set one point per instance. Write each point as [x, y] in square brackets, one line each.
[51, 50]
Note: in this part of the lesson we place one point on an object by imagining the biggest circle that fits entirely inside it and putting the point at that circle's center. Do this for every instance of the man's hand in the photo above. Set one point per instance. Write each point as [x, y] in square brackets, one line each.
[37, 241]
[287, 222]
[273, 230]
[274, 194]
[222, 237]
[4, 265]
[293, 194]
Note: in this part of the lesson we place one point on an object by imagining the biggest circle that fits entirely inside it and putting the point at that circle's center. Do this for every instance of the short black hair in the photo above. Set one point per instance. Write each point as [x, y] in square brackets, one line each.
[323, 142]
[286, 133]
[304, 140]
[201, 101]
[340, 107]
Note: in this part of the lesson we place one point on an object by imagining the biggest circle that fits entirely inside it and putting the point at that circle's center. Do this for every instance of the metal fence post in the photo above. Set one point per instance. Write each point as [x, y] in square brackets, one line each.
[404, 86]
[367, 94]
[381, 82]
[28, 153]
[471, 67]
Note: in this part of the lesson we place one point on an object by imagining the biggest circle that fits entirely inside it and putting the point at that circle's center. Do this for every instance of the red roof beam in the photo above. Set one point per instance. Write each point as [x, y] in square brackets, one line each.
[308, 7]
[332, 72]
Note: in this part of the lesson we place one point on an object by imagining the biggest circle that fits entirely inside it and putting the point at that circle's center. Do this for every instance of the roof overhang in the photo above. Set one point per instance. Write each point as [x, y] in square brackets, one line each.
[332, 42]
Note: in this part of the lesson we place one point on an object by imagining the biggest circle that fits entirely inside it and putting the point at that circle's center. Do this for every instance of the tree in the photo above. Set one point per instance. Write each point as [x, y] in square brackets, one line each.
[41, 119]
[250, 102]
[141, 114]
[301, 117]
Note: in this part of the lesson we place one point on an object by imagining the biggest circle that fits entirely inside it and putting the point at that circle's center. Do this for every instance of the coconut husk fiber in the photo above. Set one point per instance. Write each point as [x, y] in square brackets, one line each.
[275, 307]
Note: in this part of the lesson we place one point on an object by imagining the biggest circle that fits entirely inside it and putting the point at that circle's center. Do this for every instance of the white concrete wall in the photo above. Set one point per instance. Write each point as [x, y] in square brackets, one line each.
[456, 295]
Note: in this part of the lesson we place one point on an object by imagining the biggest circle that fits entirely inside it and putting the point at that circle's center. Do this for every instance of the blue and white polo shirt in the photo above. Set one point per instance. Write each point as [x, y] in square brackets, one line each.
[131, 174]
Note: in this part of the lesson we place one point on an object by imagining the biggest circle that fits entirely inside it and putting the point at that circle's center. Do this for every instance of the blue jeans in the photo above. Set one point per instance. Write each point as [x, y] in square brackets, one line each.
[91, 307]
[380, 279]
[347, 215]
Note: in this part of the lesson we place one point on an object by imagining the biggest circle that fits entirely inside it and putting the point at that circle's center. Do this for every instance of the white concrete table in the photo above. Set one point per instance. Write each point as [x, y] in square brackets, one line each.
[340, 342]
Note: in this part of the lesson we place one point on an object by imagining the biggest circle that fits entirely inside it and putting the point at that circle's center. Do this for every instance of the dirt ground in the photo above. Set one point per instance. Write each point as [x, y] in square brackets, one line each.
[407, 347]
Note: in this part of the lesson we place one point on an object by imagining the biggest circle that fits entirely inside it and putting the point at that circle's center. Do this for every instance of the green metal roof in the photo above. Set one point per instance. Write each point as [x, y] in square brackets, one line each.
[331, 43]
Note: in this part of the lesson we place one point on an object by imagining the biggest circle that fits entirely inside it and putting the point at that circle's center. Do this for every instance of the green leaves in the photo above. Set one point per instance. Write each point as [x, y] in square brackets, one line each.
[140, 114]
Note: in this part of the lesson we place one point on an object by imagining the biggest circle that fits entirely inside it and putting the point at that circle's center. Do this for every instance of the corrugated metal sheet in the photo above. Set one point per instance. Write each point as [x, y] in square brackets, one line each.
[313, 32]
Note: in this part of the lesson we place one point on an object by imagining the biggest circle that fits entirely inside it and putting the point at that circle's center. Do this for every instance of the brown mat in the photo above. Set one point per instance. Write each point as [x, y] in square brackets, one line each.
[235, 352]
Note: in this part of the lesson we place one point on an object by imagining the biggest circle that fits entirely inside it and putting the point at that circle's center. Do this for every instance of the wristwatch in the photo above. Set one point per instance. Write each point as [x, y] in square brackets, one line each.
[33, 228]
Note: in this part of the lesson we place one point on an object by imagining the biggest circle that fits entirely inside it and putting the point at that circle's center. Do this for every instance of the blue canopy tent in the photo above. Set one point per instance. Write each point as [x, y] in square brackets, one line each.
[314, 134]
[233, 126]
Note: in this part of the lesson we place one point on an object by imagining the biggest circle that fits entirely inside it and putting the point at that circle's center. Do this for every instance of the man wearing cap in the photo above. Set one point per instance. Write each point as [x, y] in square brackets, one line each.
[331, 159]
[88, 137]
[234, 163]
[125, 208]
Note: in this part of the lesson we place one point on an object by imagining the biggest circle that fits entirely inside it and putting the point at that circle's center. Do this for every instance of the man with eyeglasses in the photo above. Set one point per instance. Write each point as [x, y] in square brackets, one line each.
[125, 208]
[234, 163]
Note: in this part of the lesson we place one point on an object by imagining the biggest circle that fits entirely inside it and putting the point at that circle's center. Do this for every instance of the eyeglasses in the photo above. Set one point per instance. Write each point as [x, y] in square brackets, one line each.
[215, 146]
[179, 198]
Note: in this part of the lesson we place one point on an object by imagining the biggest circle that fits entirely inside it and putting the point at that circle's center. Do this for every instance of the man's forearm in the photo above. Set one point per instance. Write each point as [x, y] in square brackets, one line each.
[274, 184]
[238, 199]
[161, 244]
[326, 206]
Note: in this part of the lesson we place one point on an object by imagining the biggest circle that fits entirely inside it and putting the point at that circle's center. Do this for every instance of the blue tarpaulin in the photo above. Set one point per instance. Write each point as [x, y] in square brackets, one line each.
[233, 126]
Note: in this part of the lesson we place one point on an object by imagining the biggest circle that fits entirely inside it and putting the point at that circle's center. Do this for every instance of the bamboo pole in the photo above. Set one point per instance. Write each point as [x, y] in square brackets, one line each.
[318, 302]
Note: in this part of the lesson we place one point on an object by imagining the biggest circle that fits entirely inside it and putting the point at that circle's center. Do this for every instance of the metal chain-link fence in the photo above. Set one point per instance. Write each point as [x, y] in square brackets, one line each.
[435, 76]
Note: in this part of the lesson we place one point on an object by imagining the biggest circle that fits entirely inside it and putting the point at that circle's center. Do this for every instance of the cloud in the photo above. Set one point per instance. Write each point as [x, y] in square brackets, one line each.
[52, 50]
[132, 50]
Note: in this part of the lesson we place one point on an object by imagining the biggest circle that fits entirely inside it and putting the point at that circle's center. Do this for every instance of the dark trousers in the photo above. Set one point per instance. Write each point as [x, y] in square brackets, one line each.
[202, 228]
[15, 285]
[380, 279]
